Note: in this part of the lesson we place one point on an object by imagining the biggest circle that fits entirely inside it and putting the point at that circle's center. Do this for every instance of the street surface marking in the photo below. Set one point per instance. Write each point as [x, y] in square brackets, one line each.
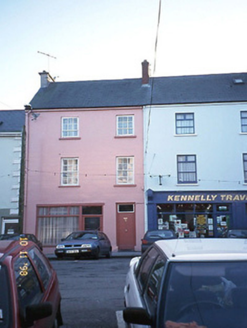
[120, 320]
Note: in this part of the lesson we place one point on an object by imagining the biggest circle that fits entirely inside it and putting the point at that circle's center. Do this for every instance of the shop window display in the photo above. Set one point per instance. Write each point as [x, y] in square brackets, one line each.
[194, 219]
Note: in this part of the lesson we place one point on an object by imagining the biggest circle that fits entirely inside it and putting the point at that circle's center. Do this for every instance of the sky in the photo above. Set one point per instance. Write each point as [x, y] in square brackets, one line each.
[108, 39]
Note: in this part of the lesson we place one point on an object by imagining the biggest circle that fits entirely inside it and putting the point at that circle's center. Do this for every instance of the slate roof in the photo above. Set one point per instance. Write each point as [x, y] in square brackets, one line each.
[130, 92]
[12, 120]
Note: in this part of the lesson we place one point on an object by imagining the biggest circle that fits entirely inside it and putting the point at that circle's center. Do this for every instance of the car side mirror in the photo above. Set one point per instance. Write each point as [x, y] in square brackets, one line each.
[138, 316]
[37, 311]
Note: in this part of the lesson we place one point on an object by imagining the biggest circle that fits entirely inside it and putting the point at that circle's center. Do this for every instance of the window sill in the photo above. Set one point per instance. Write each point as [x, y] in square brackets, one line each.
[124, 185]
[187, 184]
[126, 136]
[185, 135]
[69, 186]
[243, 133]
[70, 138]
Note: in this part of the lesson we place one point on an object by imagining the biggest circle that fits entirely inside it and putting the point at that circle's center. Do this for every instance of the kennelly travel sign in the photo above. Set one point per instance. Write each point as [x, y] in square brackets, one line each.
[222, 197]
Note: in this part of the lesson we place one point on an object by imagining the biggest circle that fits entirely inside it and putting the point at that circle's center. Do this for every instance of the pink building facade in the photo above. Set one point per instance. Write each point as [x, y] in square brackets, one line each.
[84, 170]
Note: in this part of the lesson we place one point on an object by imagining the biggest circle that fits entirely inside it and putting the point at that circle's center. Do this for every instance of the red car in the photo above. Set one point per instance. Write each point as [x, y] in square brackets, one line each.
[29, 290]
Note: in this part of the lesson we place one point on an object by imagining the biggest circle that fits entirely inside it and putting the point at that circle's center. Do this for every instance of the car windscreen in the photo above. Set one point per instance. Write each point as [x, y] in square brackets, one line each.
[5, 299]
[162, 234]
[82, 235]
[237, 233]
[212, 294]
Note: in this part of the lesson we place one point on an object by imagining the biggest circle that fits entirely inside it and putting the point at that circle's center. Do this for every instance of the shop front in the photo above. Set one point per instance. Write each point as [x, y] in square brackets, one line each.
[197, 214]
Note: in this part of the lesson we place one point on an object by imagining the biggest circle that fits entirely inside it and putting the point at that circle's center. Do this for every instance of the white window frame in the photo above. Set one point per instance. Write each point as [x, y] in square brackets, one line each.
[70, 175]
[70, 129]
[130, 125]
[127, 204]
[125, 170]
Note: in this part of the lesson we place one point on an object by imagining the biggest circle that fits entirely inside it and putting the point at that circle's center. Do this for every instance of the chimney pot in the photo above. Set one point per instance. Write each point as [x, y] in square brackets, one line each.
[145, 72]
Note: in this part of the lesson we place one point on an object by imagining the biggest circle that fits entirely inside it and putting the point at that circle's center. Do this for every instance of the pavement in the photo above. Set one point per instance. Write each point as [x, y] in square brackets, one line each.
[115, 254]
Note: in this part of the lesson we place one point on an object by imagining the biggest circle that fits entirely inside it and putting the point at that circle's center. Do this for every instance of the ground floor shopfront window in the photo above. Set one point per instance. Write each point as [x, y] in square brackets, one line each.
[195, 219]
[56, 222]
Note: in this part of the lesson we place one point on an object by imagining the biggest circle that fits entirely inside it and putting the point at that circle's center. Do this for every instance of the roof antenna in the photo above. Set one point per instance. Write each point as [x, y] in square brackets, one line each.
[49, 56]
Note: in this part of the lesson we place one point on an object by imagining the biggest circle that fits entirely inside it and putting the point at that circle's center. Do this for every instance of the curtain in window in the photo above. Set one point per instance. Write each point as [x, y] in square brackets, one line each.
[125, 170]
[187, 169]
[52, 229]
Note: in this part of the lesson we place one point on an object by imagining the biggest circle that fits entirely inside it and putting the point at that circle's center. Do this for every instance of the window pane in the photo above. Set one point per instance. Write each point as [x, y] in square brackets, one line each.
[92, 223]
[204, 207]
[125, 125]
[92, 210]
[244, 121]
[52, 229]
[70, 127]
[211, 294]
[29, 290]
[185, 123]
[58, 210]
[43, 210]
[153, 285]
[69, 174]
[186, 168]
[125, 170]
[145, 265]
[245, 166]
[165, 208]
[73, 210]
[126, 208]
[41, 266]
[223, 207]
[185, 207]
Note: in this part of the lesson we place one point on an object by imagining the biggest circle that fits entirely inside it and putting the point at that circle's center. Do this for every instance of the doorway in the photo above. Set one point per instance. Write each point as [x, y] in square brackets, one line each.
[10, 226]
[126, 232]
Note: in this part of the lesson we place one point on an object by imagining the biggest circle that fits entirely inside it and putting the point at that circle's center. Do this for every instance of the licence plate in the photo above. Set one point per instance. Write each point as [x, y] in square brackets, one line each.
[72, 251]
[85, 250]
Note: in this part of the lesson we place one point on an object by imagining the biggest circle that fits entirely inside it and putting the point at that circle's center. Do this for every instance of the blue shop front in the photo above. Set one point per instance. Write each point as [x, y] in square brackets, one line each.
[197, 214]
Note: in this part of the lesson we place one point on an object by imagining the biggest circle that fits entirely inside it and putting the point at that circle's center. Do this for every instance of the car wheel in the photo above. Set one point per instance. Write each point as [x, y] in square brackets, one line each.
[55, 324]
[108, 255]
[59, 320]
[96, 256]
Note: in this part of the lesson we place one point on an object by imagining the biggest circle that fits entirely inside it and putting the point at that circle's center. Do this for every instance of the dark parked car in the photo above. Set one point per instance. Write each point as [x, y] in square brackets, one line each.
[152, 235]
[29, 290]
[17, 236]
[84, 243]
[237, 233]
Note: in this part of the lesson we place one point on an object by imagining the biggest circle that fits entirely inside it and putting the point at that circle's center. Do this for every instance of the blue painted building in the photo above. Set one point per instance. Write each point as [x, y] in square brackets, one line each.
[195, 147]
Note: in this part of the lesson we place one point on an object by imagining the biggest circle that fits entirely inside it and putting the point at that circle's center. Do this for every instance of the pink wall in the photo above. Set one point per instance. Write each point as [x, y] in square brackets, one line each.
[97, 149]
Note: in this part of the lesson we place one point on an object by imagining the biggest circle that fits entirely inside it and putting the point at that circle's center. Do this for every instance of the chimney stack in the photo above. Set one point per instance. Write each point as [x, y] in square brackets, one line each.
[45, 79]
[145, 72]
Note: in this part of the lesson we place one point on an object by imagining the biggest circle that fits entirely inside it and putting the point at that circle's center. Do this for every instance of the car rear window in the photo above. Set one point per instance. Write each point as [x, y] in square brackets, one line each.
[212, 294]
[5, 299]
